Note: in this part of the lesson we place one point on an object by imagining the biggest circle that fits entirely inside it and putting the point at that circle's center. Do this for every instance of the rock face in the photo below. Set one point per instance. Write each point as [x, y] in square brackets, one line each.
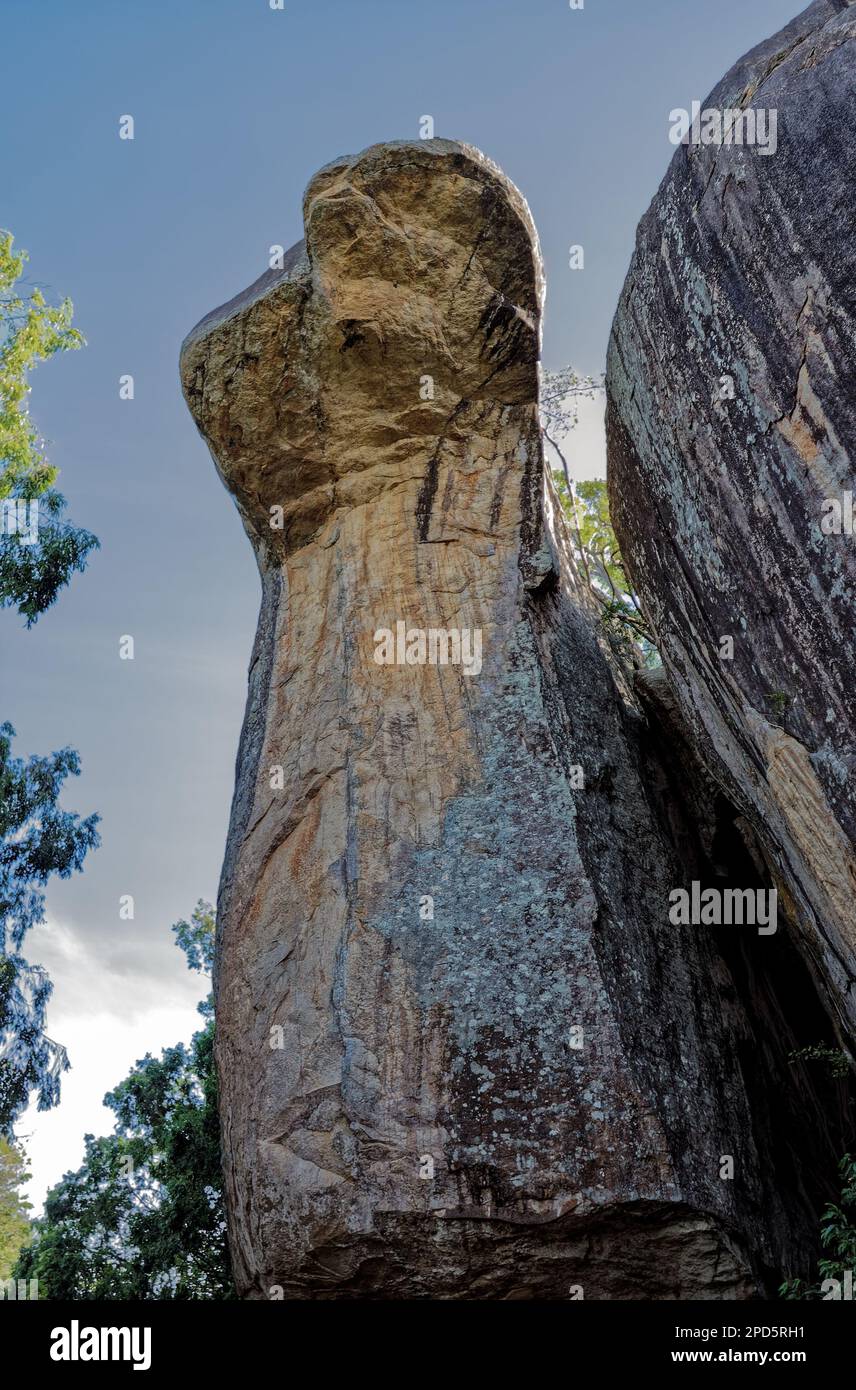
[731, 418]
[462, 1051]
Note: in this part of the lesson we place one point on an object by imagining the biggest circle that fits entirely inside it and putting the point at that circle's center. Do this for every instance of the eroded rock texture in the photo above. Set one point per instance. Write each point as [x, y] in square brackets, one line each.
[742, 284]
[364, 1042]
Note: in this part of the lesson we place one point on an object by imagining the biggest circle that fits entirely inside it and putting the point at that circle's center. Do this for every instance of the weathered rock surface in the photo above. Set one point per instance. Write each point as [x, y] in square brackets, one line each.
[365, 1044]
[742, 284]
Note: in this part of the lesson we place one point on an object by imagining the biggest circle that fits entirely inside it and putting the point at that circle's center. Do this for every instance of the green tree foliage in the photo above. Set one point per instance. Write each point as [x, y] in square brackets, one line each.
[837, 1235]
[586, 508]
[37, 839]
[31, 331]
[143, 1218]
[196, 939]
[31, 576]
[836, 1062]
[14, 1208]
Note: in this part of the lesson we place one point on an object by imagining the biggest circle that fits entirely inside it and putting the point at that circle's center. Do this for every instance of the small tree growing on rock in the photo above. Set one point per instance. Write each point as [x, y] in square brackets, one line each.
[586, 508]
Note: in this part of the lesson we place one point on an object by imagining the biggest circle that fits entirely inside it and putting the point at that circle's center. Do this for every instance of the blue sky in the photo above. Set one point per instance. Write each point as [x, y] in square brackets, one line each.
[235, 107]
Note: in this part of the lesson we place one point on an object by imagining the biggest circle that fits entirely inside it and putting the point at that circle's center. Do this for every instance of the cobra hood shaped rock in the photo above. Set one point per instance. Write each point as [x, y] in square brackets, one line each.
[462, 1052]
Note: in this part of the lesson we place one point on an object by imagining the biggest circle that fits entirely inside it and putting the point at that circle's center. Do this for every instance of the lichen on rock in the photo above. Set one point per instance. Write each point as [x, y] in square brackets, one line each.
[731, 424]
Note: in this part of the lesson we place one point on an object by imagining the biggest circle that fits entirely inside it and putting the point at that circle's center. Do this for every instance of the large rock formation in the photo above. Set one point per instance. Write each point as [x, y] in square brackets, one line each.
[731, 419]
[462, 1051]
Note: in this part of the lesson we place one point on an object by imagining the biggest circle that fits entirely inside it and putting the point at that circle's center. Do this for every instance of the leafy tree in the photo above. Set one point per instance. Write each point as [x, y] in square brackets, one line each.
[586, 508]
[621, 614]
[14, 1221]
[559, 397]
[836, 1062]
[837, 1235]
[31, 330]
[196, 939]
[37, 839]
[143, 1218]
[31, 575]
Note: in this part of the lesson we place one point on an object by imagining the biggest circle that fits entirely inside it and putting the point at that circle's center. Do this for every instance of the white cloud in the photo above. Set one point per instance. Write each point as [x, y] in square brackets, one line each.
[586, 452]
[584, 445]
[107, 1020]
